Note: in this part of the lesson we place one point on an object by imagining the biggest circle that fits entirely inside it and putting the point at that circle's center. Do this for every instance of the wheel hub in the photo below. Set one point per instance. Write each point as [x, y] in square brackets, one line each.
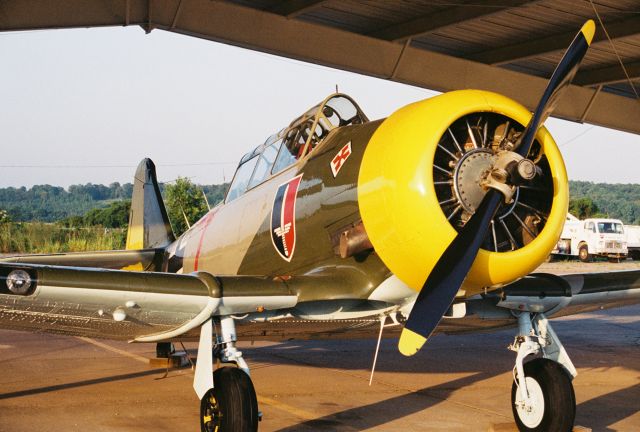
[531, 412]
[211, 414]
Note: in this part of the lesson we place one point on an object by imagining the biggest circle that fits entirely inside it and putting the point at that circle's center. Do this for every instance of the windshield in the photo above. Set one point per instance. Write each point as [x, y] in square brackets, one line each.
[264, 164]
[241, 179]
[610, 228]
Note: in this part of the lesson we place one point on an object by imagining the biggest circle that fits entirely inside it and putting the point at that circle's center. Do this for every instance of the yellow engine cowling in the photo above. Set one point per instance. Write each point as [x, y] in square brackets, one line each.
[397, 197]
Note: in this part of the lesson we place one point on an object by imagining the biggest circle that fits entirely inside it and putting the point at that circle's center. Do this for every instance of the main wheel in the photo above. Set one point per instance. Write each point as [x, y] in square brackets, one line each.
[635, 255]
[164, 349]
[553, 400]
[231, 405]
[583, 253]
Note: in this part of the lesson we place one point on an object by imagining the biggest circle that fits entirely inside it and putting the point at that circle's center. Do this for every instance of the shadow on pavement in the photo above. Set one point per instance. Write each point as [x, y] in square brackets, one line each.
[76, 384]
[377, 414]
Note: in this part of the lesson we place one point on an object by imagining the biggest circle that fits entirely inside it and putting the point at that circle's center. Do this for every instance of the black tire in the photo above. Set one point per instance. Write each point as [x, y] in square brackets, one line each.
[164, 349]
[635, 255]
[559, 399]
[583, 253]
[231, 406]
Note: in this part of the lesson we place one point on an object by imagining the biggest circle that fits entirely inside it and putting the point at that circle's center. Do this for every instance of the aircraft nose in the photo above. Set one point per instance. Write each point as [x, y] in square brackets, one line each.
[422, 178]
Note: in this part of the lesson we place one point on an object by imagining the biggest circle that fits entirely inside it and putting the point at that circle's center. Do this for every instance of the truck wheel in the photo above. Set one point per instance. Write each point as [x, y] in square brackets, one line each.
[583, 254]
[635, 255]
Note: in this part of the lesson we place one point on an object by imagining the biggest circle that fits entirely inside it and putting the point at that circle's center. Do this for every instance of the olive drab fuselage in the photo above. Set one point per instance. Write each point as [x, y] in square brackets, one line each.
[235, 238]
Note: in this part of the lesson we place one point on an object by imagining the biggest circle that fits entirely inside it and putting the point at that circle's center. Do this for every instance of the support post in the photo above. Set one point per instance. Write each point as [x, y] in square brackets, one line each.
[203, 377]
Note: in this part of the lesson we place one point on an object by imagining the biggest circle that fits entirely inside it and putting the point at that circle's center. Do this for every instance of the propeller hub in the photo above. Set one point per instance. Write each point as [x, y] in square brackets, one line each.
[481, 169]
[509, 171]
[469, 173]
[526, 169]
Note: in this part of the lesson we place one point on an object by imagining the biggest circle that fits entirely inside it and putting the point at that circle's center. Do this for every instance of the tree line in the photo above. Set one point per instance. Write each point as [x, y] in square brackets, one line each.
[96, 204]
[104, 226]
[618, 201]
[108, 206]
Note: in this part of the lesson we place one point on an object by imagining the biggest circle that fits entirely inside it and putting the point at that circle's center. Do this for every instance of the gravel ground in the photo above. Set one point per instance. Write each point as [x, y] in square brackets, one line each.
[575, 266]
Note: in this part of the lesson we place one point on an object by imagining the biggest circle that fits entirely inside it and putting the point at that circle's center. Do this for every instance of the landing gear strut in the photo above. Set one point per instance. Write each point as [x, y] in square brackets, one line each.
[542, 396]
[228, 400]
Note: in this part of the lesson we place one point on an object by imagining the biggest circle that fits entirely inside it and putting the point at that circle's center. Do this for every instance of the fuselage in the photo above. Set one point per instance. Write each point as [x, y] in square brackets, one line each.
[236, 237]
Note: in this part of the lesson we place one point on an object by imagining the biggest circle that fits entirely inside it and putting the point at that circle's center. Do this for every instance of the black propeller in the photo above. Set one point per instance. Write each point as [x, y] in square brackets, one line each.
[444, 281]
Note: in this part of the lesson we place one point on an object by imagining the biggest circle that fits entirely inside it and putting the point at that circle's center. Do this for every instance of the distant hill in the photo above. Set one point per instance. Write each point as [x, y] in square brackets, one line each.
[620, 201]
[48, 203]
[51, 203]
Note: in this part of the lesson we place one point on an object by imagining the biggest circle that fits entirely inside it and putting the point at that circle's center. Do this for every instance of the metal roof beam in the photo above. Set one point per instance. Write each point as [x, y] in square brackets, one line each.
[293, 8]
[433, 22]
[35, 14]
[557, 42]
[275, 34]
[315, 43]
[608, 75]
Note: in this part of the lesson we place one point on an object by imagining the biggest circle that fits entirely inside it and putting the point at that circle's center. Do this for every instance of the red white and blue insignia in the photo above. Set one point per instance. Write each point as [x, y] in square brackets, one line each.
[283, 218]
[338, 161]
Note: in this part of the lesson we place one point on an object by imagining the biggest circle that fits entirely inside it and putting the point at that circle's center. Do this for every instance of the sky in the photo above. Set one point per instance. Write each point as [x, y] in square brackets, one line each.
[86, 105]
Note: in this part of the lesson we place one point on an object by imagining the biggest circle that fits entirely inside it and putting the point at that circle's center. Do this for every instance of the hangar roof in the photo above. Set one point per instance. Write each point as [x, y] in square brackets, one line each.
[508, 46]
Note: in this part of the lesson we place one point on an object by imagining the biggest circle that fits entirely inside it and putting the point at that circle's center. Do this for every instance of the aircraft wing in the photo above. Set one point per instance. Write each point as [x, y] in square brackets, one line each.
[572, 293]
[551, 294]
[128, 305]
[152, 306]
[141, 259]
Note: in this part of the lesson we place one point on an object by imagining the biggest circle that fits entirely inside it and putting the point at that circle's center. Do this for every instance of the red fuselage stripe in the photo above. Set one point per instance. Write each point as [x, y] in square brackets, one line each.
[288, 215]
[206, 223]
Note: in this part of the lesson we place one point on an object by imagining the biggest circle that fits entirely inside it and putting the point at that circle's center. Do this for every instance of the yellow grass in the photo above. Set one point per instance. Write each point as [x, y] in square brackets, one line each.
[39, 237]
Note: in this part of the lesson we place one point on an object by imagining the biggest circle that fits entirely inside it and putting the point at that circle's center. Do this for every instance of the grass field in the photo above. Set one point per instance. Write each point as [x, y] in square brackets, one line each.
[39, 237]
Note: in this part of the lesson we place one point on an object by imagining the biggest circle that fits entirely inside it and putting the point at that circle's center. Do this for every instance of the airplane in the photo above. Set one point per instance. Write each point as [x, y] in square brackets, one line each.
[338, 226]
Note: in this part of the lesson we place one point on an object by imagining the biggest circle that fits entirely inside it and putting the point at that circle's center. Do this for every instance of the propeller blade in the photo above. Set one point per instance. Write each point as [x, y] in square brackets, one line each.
[444, 281]
[559, 81]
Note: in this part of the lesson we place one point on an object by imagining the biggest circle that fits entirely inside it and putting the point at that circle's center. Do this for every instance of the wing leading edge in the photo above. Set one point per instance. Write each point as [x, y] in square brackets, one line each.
[572, 293]
[126, 305]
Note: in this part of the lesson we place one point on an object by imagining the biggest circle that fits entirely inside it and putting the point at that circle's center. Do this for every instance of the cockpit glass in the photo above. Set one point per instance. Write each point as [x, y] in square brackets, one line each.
[284, 148]
[290, 151]
[340, 111]
[265, 161]
[241, 179]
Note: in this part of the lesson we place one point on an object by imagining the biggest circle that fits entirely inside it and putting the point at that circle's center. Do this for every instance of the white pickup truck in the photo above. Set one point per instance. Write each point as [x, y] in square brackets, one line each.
[633, 241]
[592, 237]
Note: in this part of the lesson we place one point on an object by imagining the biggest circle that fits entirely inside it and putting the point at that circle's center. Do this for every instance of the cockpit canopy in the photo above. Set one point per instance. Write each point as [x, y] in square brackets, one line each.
[294, 142]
